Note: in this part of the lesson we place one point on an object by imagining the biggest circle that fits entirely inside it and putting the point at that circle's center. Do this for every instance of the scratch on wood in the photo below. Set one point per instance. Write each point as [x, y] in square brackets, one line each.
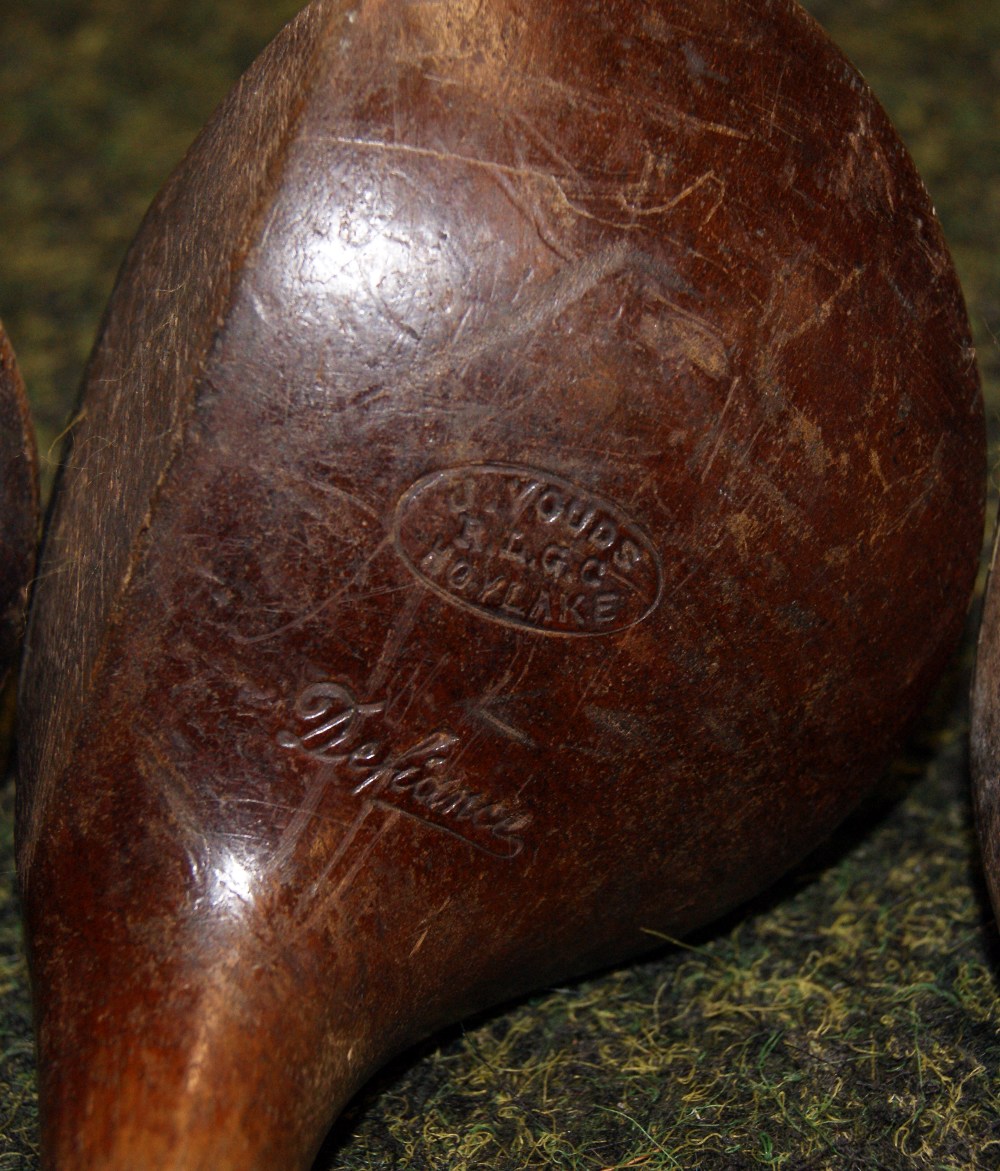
[824, 309]
[665, 208]
[395, 639]
[720, 430]
[444, 156]
[324, 603]
[304, 814]
[536, 310]
[502, 726]
[321, 910]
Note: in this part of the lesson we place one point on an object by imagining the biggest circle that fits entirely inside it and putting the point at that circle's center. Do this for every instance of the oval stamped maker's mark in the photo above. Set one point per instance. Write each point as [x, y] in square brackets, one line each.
[520, 546]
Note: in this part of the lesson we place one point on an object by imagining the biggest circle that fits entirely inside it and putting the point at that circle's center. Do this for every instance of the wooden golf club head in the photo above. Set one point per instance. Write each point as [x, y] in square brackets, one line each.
[984, 734]
[529, 479]
[18, 505]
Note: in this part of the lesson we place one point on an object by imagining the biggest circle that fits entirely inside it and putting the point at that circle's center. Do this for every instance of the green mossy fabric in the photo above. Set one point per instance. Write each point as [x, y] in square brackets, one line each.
[849, 1019]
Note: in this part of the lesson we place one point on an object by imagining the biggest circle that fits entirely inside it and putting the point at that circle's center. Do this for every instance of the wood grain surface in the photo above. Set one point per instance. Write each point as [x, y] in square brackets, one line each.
[415, 507]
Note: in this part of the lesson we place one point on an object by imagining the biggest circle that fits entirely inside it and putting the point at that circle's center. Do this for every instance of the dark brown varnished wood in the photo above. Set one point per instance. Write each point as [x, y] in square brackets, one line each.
[529, 479]
[18, 505]
[984, 734]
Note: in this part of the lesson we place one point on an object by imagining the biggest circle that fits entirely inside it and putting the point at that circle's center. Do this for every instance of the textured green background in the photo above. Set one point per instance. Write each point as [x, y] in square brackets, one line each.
[847, 1020]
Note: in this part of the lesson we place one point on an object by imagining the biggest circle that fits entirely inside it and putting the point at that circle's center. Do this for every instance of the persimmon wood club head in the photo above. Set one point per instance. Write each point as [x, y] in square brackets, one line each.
[18, 505]
[984, 734]
[531, 477]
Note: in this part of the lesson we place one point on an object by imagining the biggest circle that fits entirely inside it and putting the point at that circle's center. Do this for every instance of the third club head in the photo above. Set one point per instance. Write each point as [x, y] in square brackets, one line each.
[18, 505]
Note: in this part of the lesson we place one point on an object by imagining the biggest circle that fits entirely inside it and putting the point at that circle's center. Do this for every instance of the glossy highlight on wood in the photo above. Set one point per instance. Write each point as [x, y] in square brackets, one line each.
[530, 478]
[18, 505]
